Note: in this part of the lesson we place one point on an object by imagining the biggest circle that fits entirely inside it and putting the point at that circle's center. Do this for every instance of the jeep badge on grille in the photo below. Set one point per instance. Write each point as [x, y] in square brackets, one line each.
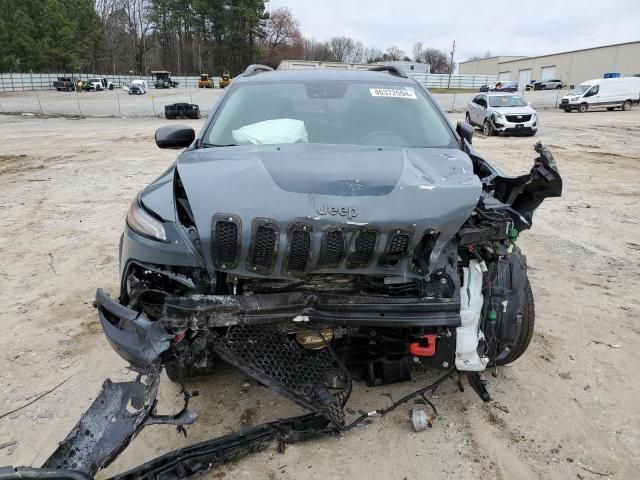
[349, 212]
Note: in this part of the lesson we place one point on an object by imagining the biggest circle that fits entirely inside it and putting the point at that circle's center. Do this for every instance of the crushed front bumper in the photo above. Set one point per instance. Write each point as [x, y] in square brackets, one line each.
[501, 125]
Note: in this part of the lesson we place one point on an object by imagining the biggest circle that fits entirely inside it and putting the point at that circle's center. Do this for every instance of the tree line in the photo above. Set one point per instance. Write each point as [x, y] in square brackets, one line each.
[183, 36]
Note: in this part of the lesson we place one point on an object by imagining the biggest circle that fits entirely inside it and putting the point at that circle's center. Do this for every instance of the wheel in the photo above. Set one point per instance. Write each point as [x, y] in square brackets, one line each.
[558, 87]
[98, 88]
[610, 109]
[626, 106]
[487, 129]
[583, 107]
[110, 87]
[467, 119]
[533, 134]
[528, 321]
[568, 110]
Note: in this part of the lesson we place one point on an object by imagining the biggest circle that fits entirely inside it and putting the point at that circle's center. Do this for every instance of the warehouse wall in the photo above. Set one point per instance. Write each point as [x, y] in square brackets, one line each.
[578, 66]
[486, 66]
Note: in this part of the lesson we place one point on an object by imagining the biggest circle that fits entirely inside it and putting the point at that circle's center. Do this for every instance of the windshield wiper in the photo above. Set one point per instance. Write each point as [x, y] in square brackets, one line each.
[207, 145]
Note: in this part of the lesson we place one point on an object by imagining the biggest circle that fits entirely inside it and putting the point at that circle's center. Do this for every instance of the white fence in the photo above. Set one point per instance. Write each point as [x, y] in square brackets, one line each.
[18, 82]
[441, 80]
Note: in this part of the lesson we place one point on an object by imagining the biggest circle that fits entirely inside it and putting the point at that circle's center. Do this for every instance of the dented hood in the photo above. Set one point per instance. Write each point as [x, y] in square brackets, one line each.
[354, 187]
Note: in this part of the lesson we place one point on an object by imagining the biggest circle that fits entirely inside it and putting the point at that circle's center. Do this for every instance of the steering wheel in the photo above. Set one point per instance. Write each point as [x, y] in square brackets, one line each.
[395, 139]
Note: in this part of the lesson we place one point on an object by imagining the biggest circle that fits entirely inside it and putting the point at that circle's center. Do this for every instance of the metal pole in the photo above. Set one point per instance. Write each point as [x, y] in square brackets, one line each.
[557, 96]
[453, 49]
[153, 105]
[75, 89]
[118, 97]
[38, 97]
[453, 104]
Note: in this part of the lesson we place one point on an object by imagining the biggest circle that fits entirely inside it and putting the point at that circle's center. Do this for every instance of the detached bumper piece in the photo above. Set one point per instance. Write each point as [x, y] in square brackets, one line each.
[104, 430]
[275, 359]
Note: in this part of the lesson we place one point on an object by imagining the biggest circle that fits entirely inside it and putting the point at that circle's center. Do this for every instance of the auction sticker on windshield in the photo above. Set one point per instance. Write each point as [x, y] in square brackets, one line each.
[406, 92]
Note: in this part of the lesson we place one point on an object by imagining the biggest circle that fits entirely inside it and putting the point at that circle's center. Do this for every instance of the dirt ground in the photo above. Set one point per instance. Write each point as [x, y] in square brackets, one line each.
[569, 408]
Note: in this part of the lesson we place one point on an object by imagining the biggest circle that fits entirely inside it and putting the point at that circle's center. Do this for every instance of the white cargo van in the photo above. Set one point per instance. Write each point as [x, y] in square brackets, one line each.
[606, 93]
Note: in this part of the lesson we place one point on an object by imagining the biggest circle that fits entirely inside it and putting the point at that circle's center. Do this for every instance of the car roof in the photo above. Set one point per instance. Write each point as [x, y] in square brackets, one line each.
[323, 74]
[501, 94]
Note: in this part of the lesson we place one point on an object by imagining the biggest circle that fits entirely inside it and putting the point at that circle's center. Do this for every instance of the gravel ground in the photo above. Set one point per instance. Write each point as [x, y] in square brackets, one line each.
[567, 409]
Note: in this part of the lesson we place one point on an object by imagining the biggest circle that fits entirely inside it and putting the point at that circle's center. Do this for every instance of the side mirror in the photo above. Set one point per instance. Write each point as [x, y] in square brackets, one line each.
[175, 136]
[465, 131]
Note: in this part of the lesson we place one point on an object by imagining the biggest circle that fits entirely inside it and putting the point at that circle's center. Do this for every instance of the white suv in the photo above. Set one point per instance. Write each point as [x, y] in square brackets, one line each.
[502, 113]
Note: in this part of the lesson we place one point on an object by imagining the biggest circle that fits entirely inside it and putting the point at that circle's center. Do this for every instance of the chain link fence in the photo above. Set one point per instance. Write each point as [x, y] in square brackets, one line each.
[18, 82]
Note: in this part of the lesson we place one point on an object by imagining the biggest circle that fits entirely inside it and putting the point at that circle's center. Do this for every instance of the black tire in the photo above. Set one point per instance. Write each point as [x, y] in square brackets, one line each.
[610, 109]
[558, 87]
[528, 323]
[626, 106]
[487, 129]
[533, 134]
[583, 107]
[110, 87]
[568, 110]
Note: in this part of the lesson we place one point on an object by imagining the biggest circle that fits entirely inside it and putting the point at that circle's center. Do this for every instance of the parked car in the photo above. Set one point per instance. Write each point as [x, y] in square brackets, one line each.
[548, 85]
[505, 87]
[182, 110]
[609, 93]
[64, 84]
[162, 79]
[502, 114]
[136, 87]
[98, 84]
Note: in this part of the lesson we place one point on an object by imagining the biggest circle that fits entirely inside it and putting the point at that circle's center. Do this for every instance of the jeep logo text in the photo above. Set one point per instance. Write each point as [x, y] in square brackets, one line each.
[348, 212]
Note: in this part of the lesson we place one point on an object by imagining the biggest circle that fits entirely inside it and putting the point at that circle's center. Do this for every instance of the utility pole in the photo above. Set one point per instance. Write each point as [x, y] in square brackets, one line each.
[453, 50]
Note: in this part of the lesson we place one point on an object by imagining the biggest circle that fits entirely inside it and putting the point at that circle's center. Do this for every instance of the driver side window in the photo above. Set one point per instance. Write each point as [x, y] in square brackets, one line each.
[479, 100]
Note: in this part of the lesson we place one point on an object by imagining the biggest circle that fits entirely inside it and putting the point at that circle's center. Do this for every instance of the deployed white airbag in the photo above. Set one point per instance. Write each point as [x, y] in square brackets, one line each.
[269, 132]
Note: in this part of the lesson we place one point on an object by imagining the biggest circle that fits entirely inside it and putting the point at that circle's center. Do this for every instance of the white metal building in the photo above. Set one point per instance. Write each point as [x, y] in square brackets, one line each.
[571, 67]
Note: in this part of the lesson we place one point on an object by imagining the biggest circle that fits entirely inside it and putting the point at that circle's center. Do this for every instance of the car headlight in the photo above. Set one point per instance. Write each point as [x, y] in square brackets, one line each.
[498, 114]
[144, 224]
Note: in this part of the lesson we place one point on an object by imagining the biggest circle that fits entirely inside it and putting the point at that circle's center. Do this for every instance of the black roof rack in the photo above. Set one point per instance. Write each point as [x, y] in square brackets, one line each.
[256, 68]
[392, 69]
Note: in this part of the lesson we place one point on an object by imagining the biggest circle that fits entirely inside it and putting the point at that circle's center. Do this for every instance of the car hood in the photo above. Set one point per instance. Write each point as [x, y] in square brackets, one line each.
[526, 110]
[354, 188]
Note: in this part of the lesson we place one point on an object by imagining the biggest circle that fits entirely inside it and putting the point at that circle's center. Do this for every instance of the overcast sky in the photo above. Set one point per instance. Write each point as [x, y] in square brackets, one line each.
[523, 28]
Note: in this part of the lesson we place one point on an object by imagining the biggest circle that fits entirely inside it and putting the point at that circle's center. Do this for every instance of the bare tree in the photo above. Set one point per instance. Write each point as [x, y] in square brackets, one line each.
[394, 53]
[346, 49]
[282, 37]
[317, 51]
[139, 25]
[438, 60]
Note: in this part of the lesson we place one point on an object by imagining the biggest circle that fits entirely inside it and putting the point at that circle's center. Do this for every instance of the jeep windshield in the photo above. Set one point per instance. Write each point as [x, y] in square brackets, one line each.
[507, 101]
[329, 112]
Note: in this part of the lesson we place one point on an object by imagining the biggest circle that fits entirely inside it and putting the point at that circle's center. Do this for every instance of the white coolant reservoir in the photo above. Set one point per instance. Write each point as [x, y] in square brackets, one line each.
[468, 334]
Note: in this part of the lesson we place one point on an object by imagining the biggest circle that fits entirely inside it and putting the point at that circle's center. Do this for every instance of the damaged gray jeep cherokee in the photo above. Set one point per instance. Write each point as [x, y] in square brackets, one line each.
[324, 226]
[322, 210]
